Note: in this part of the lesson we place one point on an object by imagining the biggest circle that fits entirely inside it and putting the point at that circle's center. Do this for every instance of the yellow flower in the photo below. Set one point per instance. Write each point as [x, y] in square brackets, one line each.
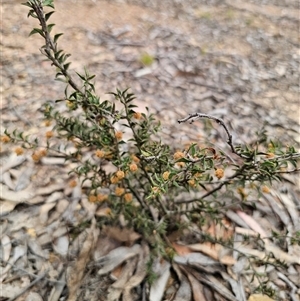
[101, 121]
[135, 159]
[5, 139]
[19, 151]
[99, 153]
[47, 109]
[128, 197]
[265, 189]
[119, 135]
[166, 175]
[102, 197]
[252, 185]
[92, 198]
[31, 232]
[49, 134]
[192, 183]
[47, 122]
[219, 173]
[119, 191]
[180, 164]
[108, 155]
[197, 175]
[70, 104]
[120, 174]
[114, 179]
[133, 167]
[178, 155]
[36, 156]
[43, 152]
[155, 189]
[242, 192]
[73, 183]
[108, 211]
[137, 115]
[270, 155]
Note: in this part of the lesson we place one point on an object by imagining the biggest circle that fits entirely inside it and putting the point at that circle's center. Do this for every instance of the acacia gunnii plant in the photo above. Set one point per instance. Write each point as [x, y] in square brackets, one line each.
[155, 188]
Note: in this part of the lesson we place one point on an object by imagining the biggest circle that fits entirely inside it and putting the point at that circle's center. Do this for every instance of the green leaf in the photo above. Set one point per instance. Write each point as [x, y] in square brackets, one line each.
[193, 149]
[81, 76]
[48, 3]
[66, 66]
[48, 15]
[174, 183]
[26, 4]
[293, 162]
[37, 30]
[60, 79]
[56, 37]
[63, 57]
[93, 89]
[202, 186]
[158, 179]
[185, 160]
[32, 14]
[146, 154]
[56, 54]
[58, 74]
[49, 27]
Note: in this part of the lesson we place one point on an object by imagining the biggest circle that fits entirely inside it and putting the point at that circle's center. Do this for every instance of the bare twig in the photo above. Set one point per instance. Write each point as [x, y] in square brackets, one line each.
[34, 282]
[288, 171]
[195, 116]
[31, 274]
[285, 157]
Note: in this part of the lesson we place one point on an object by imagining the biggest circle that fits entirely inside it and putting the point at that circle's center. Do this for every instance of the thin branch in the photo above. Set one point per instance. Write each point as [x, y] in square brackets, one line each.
[225, 182]
[195, 116]
[31, 274]
[288, 171]
[284, 157]
[51, 46]
[34, 282]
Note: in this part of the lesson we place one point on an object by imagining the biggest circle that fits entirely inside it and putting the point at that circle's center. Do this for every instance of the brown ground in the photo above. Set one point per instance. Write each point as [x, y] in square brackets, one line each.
[236, 60]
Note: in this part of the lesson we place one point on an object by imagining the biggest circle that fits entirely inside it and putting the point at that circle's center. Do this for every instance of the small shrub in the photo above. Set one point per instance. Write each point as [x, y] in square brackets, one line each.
[152, 182]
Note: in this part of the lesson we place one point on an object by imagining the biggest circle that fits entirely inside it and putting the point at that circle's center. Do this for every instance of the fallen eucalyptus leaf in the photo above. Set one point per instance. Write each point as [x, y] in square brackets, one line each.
[116, 257]
[140, 273]
[158, 287]
[184, 292]
[117, 288]
[194, 257]
[16, 196]
[13, 161]
[6, 247]
[24, 179]
[75, 273]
